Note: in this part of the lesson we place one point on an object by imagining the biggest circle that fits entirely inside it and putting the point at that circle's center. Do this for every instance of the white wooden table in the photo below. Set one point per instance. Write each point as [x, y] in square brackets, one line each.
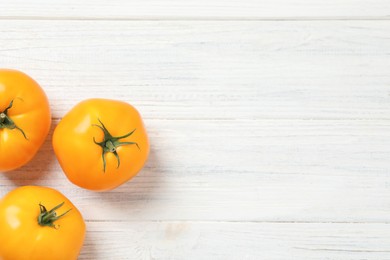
[269, 122]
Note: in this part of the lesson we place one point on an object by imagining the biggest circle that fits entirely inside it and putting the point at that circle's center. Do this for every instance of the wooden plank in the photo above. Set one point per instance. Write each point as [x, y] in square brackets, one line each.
[248, 170]
[227, 115]
[249, 241]
[209, 70]
[191, 9]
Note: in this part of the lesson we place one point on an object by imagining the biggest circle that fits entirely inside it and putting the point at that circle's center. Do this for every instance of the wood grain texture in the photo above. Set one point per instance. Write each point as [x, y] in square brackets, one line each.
[195, 9]
[247, 241]
[209, 70]
[261, 131]
[305, 171]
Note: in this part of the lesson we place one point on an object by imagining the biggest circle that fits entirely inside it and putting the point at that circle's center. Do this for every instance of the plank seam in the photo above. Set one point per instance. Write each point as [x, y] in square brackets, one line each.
[200, 19]
[238, 221]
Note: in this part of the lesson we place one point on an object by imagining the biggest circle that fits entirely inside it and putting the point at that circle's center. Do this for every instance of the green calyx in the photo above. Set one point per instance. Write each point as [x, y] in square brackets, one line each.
[47, 218]
[7, 122]
[111, 143]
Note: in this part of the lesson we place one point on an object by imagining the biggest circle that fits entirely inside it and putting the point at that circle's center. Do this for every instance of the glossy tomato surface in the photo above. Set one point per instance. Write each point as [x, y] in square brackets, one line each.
[23, 237]
[24, 118]
[101, 144]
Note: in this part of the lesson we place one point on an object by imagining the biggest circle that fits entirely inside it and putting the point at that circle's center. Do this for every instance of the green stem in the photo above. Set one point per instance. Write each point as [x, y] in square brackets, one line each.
[111, 143]
[47, 218]
[2, 117]
[110, 146]
[7, 122]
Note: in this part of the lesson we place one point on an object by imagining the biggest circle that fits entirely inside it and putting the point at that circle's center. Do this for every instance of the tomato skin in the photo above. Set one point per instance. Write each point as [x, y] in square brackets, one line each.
[82, 159]
[30, 112]
[22, 238]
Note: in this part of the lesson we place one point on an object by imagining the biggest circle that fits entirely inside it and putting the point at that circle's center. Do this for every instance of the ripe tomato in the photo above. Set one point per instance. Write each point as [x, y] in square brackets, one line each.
[101, 144]
[39, 223]
[24, 118]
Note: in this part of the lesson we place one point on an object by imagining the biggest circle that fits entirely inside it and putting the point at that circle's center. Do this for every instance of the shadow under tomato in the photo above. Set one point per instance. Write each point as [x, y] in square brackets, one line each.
[89, 249]
[35, 171]
[140, 189]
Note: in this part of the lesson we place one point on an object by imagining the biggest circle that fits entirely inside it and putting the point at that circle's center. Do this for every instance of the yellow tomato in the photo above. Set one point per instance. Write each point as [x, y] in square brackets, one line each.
[101, 144]
[39, 223]
[24, 119]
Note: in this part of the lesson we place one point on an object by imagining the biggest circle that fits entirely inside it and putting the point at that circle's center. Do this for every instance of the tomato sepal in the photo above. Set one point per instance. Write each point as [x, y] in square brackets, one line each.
[111, 143]
[48, 217]
[7, 122]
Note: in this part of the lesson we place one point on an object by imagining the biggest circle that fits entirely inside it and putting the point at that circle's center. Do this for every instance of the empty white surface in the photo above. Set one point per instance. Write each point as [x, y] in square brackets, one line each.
[270, 139]
[195, 9]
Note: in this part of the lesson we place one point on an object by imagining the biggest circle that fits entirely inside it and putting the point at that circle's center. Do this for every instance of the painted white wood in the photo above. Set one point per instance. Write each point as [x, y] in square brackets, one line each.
[209, 70]
[250, 170]
[247, 241]
[261, 131]
[194, 9]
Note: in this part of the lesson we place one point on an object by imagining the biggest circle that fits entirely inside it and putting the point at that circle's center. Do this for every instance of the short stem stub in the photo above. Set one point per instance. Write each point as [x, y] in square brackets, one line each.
[110, 146]
[2, 117]
[47, 218]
